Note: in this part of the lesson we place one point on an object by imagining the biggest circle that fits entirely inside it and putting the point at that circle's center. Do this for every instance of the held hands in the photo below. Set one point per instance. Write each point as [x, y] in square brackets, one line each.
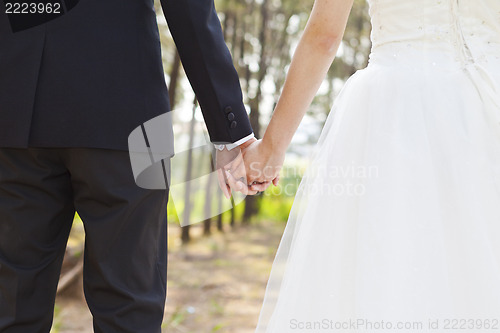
[232, 173]
[248, 169]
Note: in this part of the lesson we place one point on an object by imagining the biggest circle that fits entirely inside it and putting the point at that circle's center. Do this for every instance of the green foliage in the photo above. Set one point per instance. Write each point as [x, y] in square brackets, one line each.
[216, 308]
[275, 208]
[56, 325]
[217, 328]
[176, 319]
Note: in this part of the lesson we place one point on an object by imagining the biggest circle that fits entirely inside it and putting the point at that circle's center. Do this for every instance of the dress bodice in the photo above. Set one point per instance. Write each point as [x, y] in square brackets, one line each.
[464, 31]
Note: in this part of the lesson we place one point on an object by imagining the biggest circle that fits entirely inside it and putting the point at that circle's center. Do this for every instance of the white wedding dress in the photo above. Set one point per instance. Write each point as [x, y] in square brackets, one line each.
[397, 220]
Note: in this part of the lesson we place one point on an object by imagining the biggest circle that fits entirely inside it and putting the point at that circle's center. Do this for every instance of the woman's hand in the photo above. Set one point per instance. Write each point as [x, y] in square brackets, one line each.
[262, 164]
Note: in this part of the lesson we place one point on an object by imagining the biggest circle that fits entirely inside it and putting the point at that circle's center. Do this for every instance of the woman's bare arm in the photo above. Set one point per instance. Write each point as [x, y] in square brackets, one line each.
[310, 63]
[312, 59]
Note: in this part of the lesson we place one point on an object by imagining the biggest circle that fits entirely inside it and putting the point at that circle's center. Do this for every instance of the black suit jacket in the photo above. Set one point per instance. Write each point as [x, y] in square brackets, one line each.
[91, 76]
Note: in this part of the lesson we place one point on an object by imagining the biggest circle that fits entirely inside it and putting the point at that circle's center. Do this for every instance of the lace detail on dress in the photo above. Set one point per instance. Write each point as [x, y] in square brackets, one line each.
[465, 31]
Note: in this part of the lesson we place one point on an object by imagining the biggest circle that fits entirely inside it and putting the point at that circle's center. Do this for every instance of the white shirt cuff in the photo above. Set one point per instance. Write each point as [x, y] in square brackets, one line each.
[235, 144]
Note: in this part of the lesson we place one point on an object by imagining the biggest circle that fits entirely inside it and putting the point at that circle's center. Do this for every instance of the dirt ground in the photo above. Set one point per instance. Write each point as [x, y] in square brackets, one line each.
[215, 284]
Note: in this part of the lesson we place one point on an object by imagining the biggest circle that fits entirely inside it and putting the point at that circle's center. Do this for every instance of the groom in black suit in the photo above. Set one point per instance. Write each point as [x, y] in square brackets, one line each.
[72, 89]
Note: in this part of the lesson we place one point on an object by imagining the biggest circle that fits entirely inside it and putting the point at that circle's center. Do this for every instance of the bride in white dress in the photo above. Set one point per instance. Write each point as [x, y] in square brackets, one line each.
[396, 224]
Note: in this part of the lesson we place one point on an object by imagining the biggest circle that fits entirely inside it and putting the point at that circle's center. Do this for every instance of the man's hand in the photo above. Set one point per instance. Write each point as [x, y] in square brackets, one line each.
[232, 174]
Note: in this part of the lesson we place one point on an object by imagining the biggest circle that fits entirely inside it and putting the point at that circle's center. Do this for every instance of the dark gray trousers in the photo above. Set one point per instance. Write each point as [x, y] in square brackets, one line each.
[125, 246]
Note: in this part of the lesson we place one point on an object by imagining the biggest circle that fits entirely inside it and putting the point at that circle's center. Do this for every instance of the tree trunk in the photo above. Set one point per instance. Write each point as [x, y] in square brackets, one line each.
[185, 236]
[252, 202]
[208, 200]
[174, 79]
[233, 214]
[219, 217]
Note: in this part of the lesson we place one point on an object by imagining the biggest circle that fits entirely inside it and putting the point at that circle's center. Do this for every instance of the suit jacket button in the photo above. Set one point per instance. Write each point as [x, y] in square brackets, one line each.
[234, 124]
[230, 116]
[228, 109]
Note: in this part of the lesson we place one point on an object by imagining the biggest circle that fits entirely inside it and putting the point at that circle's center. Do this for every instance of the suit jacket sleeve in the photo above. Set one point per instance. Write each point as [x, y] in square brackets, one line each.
[197, 33]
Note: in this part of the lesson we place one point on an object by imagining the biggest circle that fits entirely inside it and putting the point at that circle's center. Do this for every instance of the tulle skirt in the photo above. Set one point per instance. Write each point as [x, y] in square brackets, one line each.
[396, 223]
